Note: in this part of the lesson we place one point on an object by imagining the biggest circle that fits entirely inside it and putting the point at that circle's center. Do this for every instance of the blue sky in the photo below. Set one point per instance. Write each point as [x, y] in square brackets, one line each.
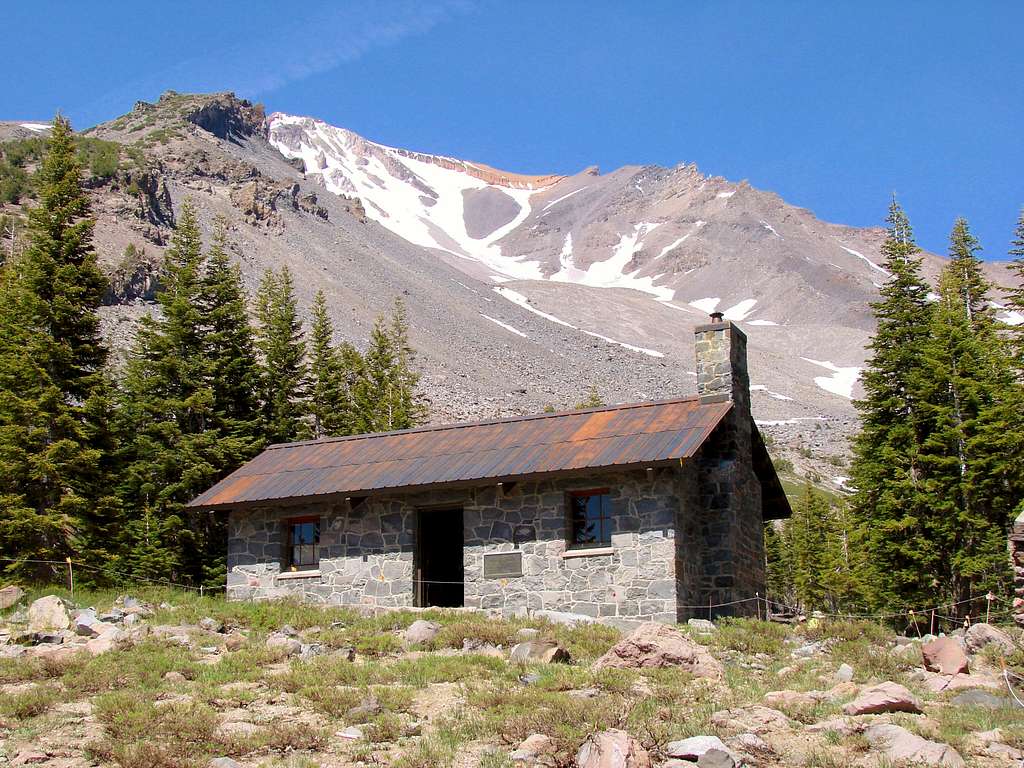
[832, 105]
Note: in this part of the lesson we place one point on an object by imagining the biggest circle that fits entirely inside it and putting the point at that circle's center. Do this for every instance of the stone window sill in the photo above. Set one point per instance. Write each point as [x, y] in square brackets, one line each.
[589, 552]
[299, 575]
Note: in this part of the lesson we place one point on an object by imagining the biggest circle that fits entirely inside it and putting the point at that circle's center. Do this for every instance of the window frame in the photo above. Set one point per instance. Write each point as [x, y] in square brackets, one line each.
[289, 566]
[605, 519]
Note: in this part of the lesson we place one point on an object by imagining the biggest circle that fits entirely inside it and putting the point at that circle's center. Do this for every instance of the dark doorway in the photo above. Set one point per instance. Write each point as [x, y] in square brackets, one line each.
[439, 543]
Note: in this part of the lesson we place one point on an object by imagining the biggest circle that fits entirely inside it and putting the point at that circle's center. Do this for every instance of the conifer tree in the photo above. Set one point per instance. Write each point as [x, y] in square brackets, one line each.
[1015, 294]
[970, 281]
[972, 457]
[385, 396]
[168, 410]
[328, 400]
[889, 504]
[54, 477]
[279, 338]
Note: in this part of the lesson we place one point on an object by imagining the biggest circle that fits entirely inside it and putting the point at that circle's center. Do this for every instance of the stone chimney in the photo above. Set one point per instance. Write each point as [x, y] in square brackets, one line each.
[722, 375]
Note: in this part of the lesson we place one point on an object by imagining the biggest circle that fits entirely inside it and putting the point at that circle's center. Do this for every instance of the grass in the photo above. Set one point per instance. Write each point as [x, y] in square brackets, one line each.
[30, 703]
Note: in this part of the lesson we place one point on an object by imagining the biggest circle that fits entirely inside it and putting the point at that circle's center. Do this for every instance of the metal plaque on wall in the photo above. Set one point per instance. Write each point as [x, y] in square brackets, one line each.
[503, 565]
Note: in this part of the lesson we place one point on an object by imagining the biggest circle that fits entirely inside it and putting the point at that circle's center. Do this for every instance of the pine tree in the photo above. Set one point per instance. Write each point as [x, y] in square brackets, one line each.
[1015, 294]
[328, 401]
[972, 457]
[168, 410]
[971, 282]
[385, 396]
[54, 480]
[279, 338]
[889, 504]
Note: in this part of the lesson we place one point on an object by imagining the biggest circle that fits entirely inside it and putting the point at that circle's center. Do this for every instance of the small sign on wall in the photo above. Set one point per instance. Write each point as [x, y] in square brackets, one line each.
[503, 565]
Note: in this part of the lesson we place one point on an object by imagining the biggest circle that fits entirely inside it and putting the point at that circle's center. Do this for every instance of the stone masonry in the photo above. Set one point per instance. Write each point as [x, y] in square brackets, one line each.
[1017, 560]
[682, 536]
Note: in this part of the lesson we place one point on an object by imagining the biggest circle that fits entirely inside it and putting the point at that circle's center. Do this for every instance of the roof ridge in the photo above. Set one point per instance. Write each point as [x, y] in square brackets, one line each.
[485, 422]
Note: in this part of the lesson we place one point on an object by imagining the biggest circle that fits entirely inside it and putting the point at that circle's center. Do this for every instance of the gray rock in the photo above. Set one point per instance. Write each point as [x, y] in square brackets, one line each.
[312, 650]
[976, 698]
[702, 625]
[694, 747]
[716, 758]
[365, 709]
[224, 762]
[539, 651]
[564, 617]
[132, 605]
[288, 631]
[352, 733]
[902, 746]
[421, 631]
[288, 646]
[210, 625]
[979, 636]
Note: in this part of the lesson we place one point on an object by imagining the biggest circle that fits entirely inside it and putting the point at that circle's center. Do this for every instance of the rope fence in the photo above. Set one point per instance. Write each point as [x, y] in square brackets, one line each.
[129, 577]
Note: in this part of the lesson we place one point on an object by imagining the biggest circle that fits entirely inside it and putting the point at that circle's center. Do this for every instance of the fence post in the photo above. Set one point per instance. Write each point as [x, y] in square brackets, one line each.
[931, 627]
[200, 590]
[709, 607]
[757, 600]
[71, 578]
[988, 607]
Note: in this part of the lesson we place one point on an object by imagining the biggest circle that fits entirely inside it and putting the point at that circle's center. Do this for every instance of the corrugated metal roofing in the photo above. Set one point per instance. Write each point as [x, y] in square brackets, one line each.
[505, 449]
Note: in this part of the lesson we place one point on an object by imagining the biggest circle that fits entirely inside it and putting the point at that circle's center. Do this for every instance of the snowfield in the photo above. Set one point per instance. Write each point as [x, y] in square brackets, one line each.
[840, 382]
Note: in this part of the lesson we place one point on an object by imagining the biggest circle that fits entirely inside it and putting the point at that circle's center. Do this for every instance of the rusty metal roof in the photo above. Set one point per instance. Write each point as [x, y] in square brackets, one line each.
[622, 436]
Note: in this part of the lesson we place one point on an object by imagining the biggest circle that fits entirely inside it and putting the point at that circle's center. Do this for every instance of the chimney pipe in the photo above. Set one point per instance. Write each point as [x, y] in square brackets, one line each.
[717, 317]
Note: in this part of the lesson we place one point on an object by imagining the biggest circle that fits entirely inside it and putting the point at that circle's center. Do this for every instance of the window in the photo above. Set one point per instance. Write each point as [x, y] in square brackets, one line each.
[303, 553]
[590, 519]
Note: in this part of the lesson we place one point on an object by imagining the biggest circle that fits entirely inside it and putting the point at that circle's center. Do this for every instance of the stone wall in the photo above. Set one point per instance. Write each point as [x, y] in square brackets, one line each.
[367, 554]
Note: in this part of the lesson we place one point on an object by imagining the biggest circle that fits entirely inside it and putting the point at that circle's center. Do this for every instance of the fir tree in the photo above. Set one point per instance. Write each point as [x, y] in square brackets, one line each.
[971, 282]
[1015, 294]
[168, 410]
[279, 338]
[329, 402]
[54, 478]
[889, 503]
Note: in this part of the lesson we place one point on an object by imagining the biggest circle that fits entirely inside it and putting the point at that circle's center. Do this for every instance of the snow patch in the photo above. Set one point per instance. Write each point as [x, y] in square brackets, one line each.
[864, 258]
[762, 322]
[840, 382]
[770, 228]
[517, 298]
[726, 195]
[773, 395]
[740, 311]
[706, 305]
[668, 248]
[563, 197]
[37, 127]
[506, 326]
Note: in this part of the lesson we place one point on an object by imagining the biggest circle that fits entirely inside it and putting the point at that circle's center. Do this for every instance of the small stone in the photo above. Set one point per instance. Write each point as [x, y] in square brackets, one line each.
[845, 673]
[366, 709]
[288, 646]
[945, 655]
[532, 749]
[716, 758]
[612, 749]
[307, 652]
[901, 746]
[135, 606]
[175, 677]
[288, 631]
[48, 614]
[352, 733]
[30, 757]
[421, 631]
[224, 762]
[884, 697]
[543, 651]
[347, 653]
[753, 719]
[235, 641]
[702, 626]
[210, 625]
[693, 747]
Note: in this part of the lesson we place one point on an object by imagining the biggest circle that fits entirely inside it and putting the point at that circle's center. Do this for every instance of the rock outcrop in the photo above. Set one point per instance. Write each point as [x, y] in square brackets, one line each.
[654, 645]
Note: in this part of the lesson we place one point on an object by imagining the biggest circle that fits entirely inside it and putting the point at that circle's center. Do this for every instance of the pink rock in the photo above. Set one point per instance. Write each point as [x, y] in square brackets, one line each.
[884, 697]
[901, 746]
[612, 749]
[753, 719]
[658, 645]
[944, 655]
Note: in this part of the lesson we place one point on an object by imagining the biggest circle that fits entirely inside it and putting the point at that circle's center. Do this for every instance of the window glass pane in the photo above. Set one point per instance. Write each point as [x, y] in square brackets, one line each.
[590, 520]
[305, 538]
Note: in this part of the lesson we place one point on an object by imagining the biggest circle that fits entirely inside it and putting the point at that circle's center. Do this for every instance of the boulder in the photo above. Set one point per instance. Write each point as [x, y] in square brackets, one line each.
[234, 641]
[884, 697]
[10, 595]
[175, 677]
[653, 645]
[48, 614]
[944, 655]
[210, 625]
[106, 642]
[703, 626]
[693, 747]
[562, 617]
[901, 746]
[937, 683]
[753, 719]
[612, 749]
[544, 651]
[535, 750]
[716, 758]
[976, 698]
[225, 762]
[421, 631]
[287, 646]
[979, 636]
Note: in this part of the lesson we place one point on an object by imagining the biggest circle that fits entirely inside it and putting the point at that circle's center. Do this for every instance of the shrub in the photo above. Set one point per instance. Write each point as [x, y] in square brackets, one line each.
[31, 702]
[749, 636]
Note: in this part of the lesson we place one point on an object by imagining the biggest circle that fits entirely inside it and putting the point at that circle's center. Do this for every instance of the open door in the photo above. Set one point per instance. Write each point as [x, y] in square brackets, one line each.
[439, 547]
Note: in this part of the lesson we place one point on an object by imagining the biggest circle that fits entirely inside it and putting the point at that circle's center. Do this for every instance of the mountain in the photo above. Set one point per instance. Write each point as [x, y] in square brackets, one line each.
[522, 291]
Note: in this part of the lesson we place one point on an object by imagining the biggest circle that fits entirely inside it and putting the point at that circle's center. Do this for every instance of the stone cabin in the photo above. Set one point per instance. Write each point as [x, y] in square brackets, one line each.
[627, 512]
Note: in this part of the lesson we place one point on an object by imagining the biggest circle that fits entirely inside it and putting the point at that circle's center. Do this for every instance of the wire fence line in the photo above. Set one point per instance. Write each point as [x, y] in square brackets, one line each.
[771, 606]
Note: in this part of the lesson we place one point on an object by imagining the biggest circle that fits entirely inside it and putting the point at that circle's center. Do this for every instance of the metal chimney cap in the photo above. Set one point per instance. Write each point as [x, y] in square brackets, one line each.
[716, 317]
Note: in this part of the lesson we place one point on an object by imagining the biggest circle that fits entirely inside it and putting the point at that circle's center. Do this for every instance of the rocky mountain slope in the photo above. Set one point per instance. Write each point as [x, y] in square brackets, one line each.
[522, 291]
